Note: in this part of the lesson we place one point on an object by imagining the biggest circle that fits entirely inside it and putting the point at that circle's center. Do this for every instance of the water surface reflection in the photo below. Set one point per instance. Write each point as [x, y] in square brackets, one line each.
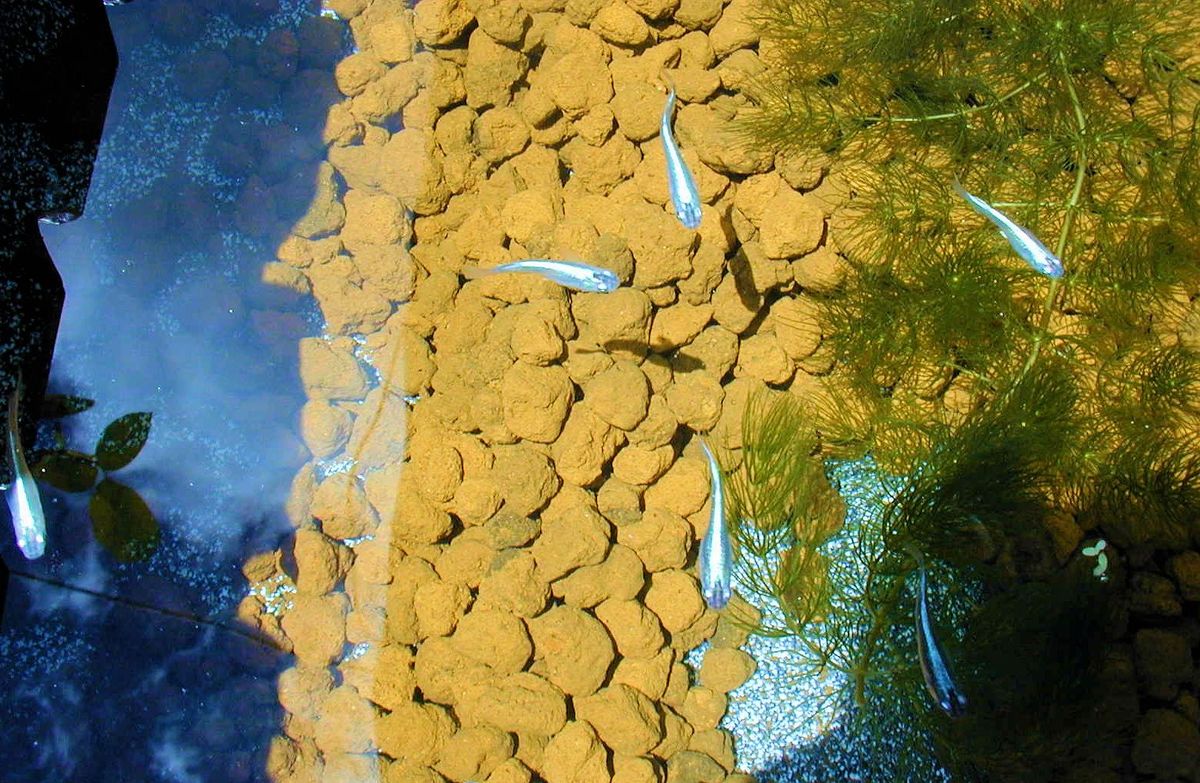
[209, 158]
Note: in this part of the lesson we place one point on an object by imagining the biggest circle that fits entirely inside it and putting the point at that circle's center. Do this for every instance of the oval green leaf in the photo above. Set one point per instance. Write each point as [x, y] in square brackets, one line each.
[122, 440]
[122, 522]
[69, 471]
[55, 406]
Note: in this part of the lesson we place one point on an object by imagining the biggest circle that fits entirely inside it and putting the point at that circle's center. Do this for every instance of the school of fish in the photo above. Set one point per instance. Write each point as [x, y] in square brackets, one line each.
[716, 555]
[579, 276]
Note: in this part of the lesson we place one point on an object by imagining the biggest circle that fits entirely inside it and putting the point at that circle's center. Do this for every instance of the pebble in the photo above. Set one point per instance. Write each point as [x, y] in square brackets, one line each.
[1153, 595]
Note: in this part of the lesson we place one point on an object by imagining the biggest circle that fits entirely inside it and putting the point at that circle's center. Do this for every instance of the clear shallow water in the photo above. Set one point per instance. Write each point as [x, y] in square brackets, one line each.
[792, 727]
[165, 313]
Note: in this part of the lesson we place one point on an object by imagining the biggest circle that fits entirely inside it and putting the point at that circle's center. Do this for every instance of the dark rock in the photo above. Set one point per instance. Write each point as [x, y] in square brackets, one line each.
[1167, 745]
[1116, 620]
[322, 42]
[241, 766]
[1118, 677]
[1188, 706]
[1151, 594]
[307, 98]
[279, 332]
[201, 74]
[178, 21]
[251, 89]
[255, 209]
[57, 78]
[194, 214]
[283, 151]
[252, 11]
[233, 147]
[241, 50]
[234, 159]
[1090, 774]
[279, 55]
[208, 6]
[1188, 628]
[1164, 661]
[1184, 568]
[689, 766]
[1140, 555]
[294, 194]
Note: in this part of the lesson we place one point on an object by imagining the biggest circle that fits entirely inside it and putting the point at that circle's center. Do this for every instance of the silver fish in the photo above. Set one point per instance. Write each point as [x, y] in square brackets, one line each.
[24, 502]
[569, 274]
[934, 666]
[1026, 245]
[684, 195]
[716, 552]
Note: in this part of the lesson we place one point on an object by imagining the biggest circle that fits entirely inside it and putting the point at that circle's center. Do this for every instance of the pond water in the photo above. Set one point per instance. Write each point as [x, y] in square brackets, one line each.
[417, 521]
[166, 313]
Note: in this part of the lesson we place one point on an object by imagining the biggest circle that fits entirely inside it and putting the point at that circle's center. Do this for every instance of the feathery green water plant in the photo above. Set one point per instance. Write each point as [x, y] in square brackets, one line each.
[782, 509]
[1000, 399]
[1067, 115]
[845, 592]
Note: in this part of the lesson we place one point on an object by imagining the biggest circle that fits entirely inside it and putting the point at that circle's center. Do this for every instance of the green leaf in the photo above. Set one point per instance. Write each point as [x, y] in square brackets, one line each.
[122, 522]
[122, 440]
[55, 406]
[69, 471]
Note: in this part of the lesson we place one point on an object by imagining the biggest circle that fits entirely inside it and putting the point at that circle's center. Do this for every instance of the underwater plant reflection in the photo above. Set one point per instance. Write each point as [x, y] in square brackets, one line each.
[121, 520]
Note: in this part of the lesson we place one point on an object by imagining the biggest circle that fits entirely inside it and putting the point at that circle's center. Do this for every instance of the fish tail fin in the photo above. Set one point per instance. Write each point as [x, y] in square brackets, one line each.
[958, 187]
[666, 79]
[476, 272]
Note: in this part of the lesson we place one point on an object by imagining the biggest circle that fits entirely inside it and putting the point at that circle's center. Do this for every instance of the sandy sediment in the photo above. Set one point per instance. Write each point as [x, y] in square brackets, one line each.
[528, 590]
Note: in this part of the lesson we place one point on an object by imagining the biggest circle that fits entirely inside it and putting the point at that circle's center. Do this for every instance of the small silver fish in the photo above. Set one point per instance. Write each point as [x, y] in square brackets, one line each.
[1026, 245]
[684, 195]
[716, 552]
[24, 502]
[575, 275]
[934, 666]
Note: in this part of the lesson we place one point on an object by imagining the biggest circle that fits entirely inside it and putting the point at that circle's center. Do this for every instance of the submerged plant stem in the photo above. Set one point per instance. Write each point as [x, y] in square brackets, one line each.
[174, 613]
[1068, 220]
[971, 373]
[957, 113]
[880, 617]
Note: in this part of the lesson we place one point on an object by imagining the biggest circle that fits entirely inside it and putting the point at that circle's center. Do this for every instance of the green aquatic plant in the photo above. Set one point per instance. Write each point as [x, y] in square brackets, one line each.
[783, 508]
[1077, 119]
[993, 400]
[121, 520]
[1026, 638]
